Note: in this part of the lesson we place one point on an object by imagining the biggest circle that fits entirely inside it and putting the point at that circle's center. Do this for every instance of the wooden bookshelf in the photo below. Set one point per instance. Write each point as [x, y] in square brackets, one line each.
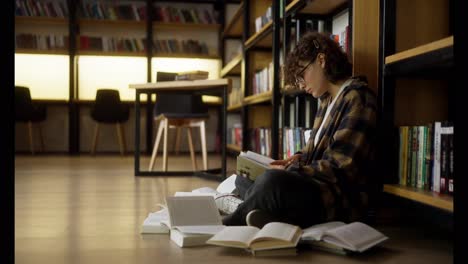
[185, 26]
[263, 38]
[28, 20]
[110, 22]
[234, 27]
[233, 147]
[441, 201]
[258, 98]
[45, 52]
[234, 108]
[420, 50]
[111, 53]
[317, 7]
[233, 67]
[186, 55]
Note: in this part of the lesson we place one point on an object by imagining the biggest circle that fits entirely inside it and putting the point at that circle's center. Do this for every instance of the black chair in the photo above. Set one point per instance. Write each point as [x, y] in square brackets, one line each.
[178, 111]
[108, 109]
[27, 112]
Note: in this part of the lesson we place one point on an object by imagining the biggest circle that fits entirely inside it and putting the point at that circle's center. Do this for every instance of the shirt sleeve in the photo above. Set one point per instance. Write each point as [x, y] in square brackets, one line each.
[347, 149]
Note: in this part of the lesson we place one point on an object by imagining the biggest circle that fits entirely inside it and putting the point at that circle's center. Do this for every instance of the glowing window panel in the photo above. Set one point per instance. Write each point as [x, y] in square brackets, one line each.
[47, 76]
[98, 72]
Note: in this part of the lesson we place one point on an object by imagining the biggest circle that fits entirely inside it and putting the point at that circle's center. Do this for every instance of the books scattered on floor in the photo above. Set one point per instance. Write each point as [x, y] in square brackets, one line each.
[273, 235]
[251, 164]
[339, 237]
[193, 219]
[156, 223]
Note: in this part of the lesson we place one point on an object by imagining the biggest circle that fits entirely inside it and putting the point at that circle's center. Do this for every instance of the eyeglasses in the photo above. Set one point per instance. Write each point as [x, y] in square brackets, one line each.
[300, 78]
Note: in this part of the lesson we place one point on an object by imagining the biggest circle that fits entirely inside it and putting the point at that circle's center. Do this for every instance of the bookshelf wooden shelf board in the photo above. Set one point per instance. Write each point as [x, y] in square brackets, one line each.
[111, 53]
[317, 7]
[234, 108]
[263, 38]
[232, 67]
[233, 147]
[110, 22]
[234, 27]
[258, 98]
[185, 26]
[423, 49]
[186, 55]
[41, 20]
[46, 52]
[431, 60]
[441, 201]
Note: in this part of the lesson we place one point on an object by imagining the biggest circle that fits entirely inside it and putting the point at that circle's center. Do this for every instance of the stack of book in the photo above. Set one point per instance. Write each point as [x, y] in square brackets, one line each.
[192, 75]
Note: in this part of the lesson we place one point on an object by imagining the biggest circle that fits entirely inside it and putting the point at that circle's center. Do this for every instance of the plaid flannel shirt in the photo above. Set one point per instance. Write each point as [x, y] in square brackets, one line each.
[343, 158]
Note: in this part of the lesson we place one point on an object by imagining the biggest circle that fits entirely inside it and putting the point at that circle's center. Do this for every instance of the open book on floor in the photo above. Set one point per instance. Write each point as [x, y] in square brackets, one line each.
[274, 235]
[193, 219]
[339, 237]
[251, 164]
[158, 222]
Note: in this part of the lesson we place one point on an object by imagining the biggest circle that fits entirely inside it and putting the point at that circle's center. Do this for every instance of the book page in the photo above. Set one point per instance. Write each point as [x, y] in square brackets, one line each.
[276, 230]
[356, 236]
[234, 236]
[316, 232]
[207, 190]
[193, 194]
[228, 185]
[192, 210]
[263, 160]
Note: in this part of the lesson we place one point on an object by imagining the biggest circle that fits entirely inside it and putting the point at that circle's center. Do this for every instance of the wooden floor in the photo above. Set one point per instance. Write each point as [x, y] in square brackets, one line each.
[90, 209]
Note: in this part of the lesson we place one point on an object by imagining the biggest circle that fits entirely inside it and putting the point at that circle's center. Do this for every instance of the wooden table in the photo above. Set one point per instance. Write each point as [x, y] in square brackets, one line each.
[206, 87]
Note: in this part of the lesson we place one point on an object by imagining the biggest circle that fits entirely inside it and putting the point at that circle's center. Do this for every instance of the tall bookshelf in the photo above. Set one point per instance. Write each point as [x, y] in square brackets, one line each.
[131, 31]
[416, 82]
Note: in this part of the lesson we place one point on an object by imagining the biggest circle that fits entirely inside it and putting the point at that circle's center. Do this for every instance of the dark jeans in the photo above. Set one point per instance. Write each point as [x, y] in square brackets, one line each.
[285, 195]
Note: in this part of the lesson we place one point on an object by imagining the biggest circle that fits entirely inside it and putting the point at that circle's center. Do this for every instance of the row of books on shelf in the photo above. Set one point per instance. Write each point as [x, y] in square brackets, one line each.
[260, 140]
[235, 96]
[181, 46]
[112, 44]
[262, 20]
[263, 80]
[50, 8]
[234, 135]
[113, 10]
[294, 139]
[41, 42]
[426, 158]
[182, 15]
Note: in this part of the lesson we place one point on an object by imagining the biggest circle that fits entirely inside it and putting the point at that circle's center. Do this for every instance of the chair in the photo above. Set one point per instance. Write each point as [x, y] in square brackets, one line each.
[27, 112]
[108, 109]
[182, 110]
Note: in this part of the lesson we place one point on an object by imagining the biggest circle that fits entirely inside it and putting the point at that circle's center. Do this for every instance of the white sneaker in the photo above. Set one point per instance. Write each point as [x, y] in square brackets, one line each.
[227, 203]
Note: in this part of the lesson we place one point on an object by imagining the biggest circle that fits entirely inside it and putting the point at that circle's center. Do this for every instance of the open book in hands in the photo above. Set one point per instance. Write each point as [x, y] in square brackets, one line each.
[273, 235]
[251, 164]
[338, 236]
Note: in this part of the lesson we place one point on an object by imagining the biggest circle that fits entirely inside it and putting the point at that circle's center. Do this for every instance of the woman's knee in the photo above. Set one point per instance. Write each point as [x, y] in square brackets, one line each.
[273, 177]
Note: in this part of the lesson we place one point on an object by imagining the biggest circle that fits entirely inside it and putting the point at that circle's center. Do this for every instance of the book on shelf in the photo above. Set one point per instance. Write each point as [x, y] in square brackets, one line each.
[339, 237]
[274, 235]
[251, 164]
[193, 219]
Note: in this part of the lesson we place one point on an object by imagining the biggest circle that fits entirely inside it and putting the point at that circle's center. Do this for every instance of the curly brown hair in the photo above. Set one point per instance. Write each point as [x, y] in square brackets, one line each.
[337, 66]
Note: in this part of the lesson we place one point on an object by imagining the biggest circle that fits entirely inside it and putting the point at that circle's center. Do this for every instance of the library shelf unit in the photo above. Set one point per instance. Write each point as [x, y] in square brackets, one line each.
[416, 77]
[233, 28]
[233, 67]
[76, 24]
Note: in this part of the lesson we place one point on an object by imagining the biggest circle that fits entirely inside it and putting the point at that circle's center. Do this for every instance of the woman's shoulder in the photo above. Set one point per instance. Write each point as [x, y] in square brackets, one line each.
[358, 92]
